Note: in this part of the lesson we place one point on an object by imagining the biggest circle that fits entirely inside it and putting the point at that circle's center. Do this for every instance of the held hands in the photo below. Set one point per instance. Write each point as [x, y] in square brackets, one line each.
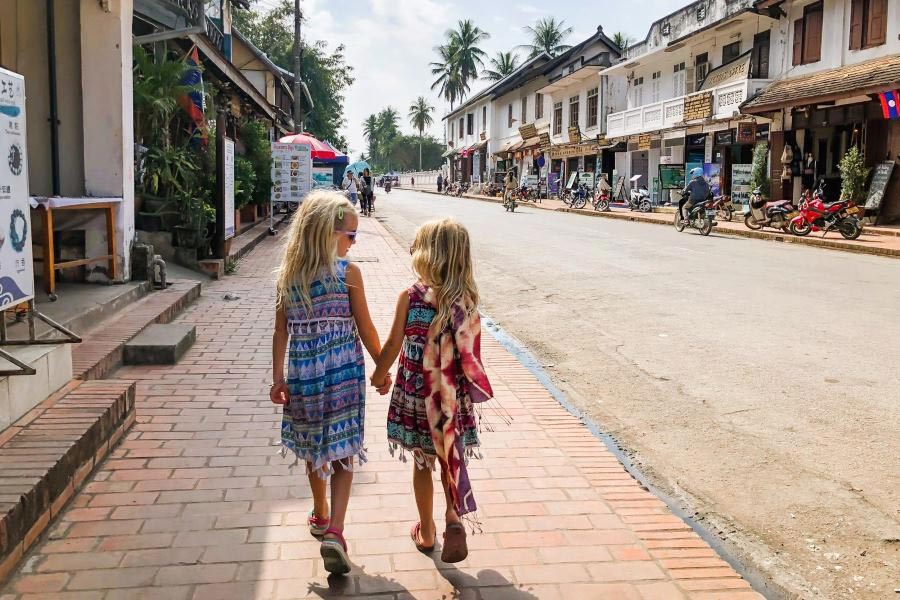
[279, 393]
[383, 386]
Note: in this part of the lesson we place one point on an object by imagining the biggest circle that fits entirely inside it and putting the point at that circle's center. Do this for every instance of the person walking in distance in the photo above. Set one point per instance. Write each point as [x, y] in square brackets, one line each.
[365, 182]
[351, 184]
[322, 322]
[510, 187]
[440, 182]
[439, 379]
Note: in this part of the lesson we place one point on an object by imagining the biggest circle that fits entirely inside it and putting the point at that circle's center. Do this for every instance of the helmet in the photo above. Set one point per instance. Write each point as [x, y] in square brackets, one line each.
[696, 172]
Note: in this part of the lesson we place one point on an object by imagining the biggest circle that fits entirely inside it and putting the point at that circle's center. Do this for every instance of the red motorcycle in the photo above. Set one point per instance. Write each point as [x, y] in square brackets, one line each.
[722, 206]
[601, 201]
[818, 215]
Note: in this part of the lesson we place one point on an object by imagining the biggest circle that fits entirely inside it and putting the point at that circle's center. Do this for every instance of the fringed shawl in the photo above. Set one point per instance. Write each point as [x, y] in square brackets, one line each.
[451, 351]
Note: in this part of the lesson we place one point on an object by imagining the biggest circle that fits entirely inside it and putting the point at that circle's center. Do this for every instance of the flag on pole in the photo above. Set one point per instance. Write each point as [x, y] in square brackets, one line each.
[890, 104]
[193, 103]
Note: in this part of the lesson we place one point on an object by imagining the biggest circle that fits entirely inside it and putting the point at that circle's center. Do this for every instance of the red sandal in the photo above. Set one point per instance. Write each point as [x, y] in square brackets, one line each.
[334, 552]
[317, 525]
[415, 533]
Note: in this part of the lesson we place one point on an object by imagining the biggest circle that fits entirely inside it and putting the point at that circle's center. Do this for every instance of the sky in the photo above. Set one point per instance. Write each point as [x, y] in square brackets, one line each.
[390, 43]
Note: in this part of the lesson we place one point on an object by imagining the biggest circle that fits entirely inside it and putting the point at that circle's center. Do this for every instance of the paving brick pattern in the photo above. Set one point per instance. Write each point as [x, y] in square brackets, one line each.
[197, 503]
[101, 350]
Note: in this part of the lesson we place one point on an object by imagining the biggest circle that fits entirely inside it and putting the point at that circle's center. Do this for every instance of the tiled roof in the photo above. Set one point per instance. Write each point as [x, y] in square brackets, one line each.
[860, 79]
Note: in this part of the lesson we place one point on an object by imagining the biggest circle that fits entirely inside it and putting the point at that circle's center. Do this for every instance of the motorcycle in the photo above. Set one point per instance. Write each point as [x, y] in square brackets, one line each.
[387, 186]
[702, 218]
[722, 206]
[510, 204]
[639, 196]
[461, 189]
[601, 201]
[818, 215]
[777, 214]
[579, 196]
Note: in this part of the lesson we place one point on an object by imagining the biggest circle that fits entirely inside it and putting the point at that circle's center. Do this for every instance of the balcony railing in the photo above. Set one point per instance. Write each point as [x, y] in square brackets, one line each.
[726, 101]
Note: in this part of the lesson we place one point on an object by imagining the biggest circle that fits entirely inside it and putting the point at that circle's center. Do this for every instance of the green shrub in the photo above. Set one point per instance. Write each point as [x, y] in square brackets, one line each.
[255, 136]
[853, 175]
[759, 176]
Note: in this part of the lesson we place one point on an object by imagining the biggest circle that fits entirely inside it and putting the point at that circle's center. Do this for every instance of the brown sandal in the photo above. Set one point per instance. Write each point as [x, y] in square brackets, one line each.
[455, 548]
[415, 534]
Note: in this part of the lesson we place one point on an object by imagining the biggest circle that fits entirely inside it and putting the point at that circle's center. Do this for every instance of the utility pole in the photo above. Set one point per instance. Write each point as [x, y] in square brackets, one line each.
[298, 68]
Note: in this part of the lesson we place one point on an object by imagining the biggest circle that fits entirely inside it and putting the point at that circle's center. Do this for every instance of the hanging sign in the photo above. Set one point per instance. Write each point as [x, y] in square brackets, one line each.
[528, 131]
[229, 188]
[644, 142]
[746, 132]
[291, 172]
[16, 266]
[575, 134]
[698, 106]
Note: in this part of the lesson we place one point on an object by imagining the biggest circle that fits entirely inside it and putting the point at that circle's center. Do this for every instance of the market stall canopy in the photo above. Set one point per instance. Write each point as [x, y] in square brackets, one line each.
[869, 77]
[320, 150]
[339, 157]
[358, 167]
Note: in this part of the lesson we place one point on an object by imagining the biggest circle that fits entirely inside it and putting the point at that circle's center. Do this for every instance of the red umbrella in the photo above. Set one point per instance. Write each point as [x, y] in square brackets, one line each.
[320, 150]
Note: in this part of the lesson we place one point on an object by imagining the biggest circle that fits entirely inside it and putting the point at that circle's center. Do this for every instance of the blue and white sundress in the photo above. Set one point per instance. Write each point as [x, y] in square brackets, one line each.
[324, 420]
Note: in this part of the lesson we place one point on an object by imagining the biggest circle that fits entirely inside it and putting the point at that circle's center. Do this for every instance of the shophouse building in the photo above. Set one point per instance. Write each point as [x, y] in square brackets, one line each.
[839, 67]
[683, 88]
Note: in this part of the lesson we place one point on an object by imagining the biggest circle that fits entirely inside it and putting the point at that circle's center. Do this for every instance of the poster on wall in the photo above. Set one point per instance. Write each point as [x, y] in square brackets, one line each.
[291, 172]
[229, 188]
[740, 183]
[322, 177]
[16, 266]
[711, 172]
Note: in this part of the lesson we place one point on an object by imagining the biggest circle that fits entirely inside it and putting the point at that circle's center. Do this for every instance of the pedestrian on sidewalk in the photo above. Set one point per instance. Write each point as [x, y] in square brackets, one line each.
[440, 182]
[439, 379]
[351, 184]
[321, 317]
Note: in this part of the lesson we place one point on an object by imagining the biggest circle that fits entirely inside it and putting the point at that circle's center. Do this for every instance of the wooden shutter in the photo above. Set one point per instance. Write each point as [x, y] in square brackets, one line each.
[798, 42]
[857, 9]
[876, 26]
[812, 35]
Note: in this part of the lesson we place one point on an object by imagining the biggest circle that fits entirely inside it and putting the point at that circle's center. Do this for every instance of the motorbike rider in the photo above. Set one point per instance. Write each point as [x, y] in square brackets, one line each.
[510, 186]
[696, 191]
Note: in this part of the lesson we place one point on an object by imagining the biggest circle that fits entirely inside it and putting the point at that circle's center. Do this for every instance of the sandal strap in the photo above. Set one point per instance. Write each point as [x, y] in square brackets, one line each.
[338, 533]
[316, 520]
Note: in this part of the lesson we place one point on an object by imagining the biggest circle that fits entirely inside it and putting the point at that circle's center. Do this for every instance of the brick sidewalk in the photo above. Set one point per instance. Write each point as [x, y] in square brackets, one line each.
[196, 502]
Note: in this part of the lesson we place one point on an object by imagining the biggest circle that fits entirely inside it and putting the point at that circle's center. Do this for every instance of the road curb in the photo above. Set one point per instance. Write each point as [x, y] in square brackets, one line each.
[759, 235]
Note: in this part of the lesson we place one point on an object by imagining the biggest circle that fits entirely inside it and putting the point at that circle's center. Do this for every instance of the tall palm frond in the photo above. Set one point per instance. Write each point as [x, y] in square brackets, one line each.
[621, 39]
[502, 65]
[420, 118]
[447, 71]
[467, 56]
[547, 35]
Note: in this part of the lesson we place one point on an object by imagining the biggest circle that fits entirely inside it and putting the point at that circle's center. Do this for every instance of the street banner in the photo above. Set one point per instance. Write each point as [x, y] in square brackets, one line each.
[291, 172]
[229, 188]
[16, 266]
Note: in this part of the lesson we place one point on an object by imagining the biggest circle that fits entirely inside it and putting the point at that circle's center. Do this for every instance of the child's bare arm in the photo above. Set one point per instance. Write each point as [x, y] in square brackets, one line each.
[395, 340]
[279, 348]
[360, 309]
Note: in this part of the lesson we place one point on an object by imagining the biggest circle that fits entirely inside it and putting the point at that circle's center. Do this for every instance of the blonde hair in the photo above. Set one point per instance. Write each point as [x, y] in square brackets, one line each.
[311, 247]
[442, 258]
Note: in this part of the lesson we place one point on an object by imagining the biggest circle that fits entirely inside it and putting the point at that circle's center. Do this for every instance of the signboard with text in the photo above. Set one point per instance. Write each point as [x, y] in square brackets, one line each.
[880, 180]
[229, 188]
[291, 172]
[740, 183]
[16, 266]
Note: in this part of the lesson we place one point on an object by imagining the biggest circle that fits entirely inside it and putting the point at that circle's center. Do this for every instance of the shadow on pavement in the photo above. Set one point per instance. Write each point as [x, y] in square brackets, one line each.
[486, 578]
[356, 583]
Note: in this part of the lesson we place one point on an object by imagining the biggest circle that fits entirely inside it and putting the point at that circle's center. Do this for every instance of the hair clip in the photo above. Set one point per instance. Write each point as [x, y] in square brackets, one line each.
[340, 214]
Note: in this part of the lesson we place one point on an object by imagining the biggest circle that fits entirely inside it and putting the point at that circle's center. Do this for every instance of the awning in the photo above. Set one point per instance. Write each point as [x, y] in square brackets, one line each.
[448, 152]
[508, 147]
[869, 77]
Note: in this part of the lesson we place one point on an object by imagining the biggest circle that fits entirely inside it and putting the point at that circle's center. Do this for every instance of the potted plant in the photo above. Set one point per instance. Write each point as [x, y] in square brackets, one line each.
[853, 175]
[192, 231]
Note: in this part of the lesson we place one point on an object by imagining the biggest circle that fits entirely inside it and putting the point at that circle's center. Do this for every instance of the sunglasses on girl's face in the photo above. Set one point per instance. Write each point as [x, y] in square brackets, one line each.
[351, 235]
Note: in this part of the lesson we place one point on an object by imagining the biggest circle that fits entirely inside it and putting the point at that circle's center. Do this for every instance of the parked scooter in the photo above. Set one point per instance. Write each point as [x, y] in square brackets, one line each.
[579, 196]
[702, 218]
[722, 206]
[818, 215]
[639, 196]
[601, 201]
[777, 214]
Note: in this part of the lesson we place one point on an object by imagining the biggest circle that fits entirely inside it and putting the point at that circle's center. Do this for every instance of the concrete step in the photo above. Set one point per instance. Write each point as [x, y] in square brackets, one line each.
[160, 344]
[47, 454]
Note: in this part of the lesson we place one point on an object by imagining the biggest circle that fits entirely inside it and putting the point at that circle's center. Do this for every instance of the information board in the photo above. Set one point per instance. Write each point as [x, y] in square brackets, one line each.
[671, 177]
[322, 177]
[16, 266]
[291, 172]
[228, 157]
[879, 184]
[740, 183]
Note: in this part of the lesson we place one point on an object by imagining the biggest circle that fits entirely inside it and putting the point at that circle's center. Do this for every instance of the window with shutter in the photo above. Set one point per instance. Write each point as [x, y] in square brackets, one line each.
[524, 110]
[857, 10]
[876, 23]
[812, 33]
[759, 60]
[701, 68]
[798, 42]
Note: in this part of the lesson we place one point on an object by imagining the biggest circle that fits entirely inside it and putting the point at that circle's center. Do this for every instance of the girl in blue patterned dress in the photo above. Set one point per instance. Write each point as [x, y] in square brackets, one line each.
[321, 318]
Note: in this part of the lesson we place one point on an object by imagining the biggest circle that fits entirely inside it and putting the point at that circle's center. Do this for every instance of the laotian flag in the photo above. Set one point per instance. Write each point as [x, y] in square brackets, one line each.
[890, 104]
[193, 102]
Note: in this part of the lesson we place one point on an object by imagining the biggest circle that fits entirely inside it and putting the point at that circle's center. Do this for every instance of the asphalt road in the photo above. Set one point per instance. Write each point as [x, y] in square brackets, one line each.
[756, 383]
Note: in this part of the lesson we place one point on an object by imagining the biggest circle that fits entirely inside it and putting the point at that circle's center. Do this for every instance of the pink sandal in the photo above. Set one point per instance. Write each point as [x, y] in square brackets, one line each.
[334, 552]
[317, 525]
[416, 534]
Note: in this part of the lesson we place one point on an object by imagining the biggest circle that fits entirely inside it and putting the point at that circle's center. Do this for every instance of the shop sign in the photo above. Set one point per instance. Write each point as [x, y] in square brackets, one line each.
[671, 176]
[644, 142]
[229, 188]
[528, 131]
[696, 140]
[708, 149]
[725, 138]
[476, 167]
[570, 150]
[736, 70]
[291, 172]
[698, 106]
[545, 140]
[740, 183]
[16, 266]
[575, 134]
[746, 132]
[879, 184]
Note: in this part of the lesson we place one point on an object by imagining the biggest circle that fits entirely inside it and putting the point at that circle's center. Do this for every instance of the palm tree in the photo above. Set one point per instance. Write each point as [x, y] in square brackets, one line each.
[547, 35]
[467, 56]
[420, 118]
[370, 132]
[621, 39]
[448, 74]
[501, 65]
[387, 120]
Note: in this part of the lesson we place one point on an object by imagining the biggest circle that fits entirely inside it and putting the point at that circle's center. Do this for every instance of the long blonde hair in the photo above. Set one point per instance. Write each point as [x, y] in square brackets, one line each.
[442, 258]
[311, 248]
